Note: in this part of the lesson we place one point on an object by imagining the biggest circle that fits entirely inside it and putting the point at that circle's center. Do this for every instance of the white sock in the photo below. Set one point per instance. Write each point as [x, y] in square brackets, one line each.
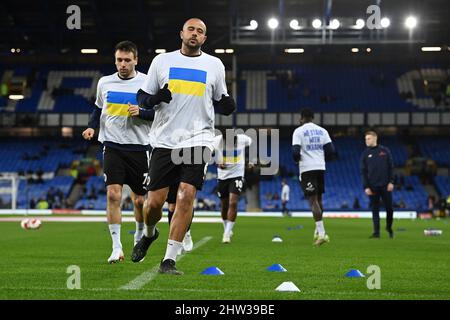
[188, 233]
[225, 222]
[229, 227]
[320, 228]
[114, 231]
[149, 231]
[172, 249]
[139, 231]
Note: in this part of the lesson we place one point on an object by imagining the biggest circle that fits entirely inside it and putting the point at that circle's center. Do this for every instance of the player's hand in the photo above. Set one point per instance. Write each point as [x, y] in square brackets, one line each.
[133, 110]
[226, 105]
[250, 165]
[88, 134]
[222, 166]
[164, 94]
[369, 192]
[390, 187]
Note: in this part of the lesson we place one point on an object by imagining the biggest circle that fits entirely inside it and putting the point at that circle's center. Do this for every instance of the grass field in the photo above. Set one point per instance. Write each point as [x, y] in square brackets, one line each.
[413, 266]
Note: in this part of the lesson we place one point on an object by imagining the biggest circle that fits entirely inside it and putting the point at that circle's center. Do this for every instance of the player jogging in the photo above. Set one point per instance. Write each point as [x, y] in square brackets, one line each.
[230, 173]
[311, 146]
[124, 129]
[180, 86]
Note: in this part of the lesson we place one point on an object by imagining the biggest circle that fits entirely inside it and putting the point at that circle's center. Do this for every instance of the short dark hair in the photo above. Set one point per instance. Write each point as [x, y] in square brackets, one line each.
[127, 46]
[371, 133]
[307, 113]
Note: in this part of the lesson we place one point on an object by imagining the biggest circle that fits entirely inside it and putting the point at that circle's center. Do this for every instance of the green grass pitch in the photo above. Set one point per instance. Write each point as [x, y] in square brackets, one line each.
[413, 266]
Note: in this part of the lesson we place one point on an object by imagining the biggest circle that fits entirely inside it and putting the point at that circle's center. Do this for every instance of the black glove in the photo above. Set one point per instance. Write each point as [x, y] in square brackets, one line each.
[225, 105]
[148, 101]
[163, 95]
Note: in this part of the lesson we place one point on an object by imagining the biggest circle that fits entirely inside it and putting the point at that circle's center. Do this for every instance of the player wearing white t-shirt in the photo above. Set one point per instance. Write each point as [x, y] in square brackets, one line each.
[285, 190]
[185, 88]
[311, 146]
[124, 129]
[230, 158]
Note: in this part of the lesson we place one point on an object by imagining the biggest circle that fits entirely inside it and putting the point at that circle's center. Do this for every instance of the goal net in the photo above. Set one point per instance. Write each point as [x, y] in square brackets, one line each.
[8, 192]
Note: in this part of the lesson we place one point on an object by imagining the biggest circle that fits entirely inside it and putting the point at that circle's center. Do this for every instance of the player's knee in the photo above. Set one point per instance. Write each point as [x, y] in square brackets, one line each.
[138, 201]
[154, 204]
[186, 194]
[233, 202]
[114, 195]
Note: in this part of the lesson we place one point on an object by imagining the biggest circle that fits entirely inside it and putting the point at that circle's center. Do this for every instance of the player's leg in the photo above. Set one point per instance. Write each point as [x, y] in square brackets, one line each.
[138, 204]
[387, 200]
[178, 227]
[161, 172]
[319, 198]
[171, 201]
[188, 244]
[223, 194]
[375, 205]
[234, 188]
[231, 216]
[152, 211]
[191, 177]
[114, 218]
[136, 168]
[114, 173]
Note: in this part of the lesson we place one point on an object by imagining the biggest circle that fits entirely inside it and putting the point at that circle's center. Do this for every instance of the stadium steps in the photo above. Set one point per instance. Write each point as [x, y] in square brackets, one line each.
[92, 151]
[431, 190]
[75, 194]
[253, 198]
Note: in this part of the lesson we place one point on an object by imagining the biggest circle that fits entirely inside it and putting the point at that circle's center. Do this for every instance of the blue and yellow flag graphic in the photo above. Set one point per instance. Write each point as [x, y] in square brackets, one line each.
[187, 81]
[231, 157]
[117, 103]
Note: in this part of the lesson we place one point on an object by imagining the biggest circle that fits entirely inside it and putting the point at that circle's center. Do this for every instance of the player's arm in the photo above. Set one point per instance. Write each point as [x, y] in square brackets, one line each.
[148, 101]
[363, 167]
[222, 102]
[136, 111]
[296, 146]
[296, 153]
[94, 118]
[330, 151]
[390, 172]
[150, 94]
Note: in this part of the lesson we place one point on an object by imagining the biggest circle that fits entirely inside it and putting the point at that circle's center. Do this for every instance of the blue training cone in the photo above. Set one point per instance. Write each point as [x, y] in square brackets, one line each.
[214, 271]
[276, 268]
[354, 273]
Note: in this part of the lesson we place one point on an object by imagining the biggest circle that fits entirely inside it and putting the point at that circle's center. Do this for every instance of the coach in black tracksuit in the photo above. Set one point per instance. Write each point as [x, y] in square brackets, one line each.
[378, 180]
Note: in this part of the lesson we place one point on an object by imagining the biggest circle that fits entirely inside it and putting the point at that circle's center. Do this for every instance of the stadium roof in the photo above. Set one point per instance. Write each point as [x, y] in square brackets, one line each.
[39, 27]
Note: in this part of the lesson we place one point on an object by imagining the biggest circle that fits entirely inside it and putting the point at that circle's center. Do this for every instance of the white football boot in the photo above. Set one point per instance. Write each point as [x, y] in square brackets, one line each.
[188, 244]
[116, 256]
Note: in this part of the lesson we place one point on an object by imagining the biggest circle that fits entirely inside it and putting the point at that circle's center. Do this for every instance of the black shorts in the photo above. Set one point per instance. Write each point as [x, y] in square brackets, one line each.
[313, 182]
[232, 185]
[172, 195]
[126, 167]
[164, 172]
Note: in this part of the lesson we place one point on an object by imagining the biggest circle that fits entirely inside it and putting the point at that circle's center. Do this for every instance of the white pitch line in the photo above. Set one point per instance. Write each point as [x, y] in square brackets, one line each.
[148, 276]
[100, 219]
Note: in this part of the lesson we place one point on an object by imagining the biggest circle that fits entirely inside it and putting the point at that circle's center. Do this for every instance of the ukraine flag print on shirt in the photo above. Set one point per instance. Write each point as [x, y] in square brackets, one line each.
[232, 157]
[187, 81]
[117, 103]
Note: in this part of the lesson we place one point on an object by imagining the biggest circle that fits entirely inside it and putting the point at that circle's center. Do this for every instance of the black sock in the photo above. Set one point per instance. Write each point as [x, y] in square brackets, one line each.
[170, 215]
[189, 228]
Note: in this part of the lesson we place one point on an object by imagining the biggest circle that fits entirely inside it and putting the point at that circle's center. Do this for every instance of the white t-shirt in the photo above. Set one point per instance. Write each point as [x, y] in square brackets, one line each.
[116, 124]
[311, 139]
[285, 193]
[188, 119]
[233, 159]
